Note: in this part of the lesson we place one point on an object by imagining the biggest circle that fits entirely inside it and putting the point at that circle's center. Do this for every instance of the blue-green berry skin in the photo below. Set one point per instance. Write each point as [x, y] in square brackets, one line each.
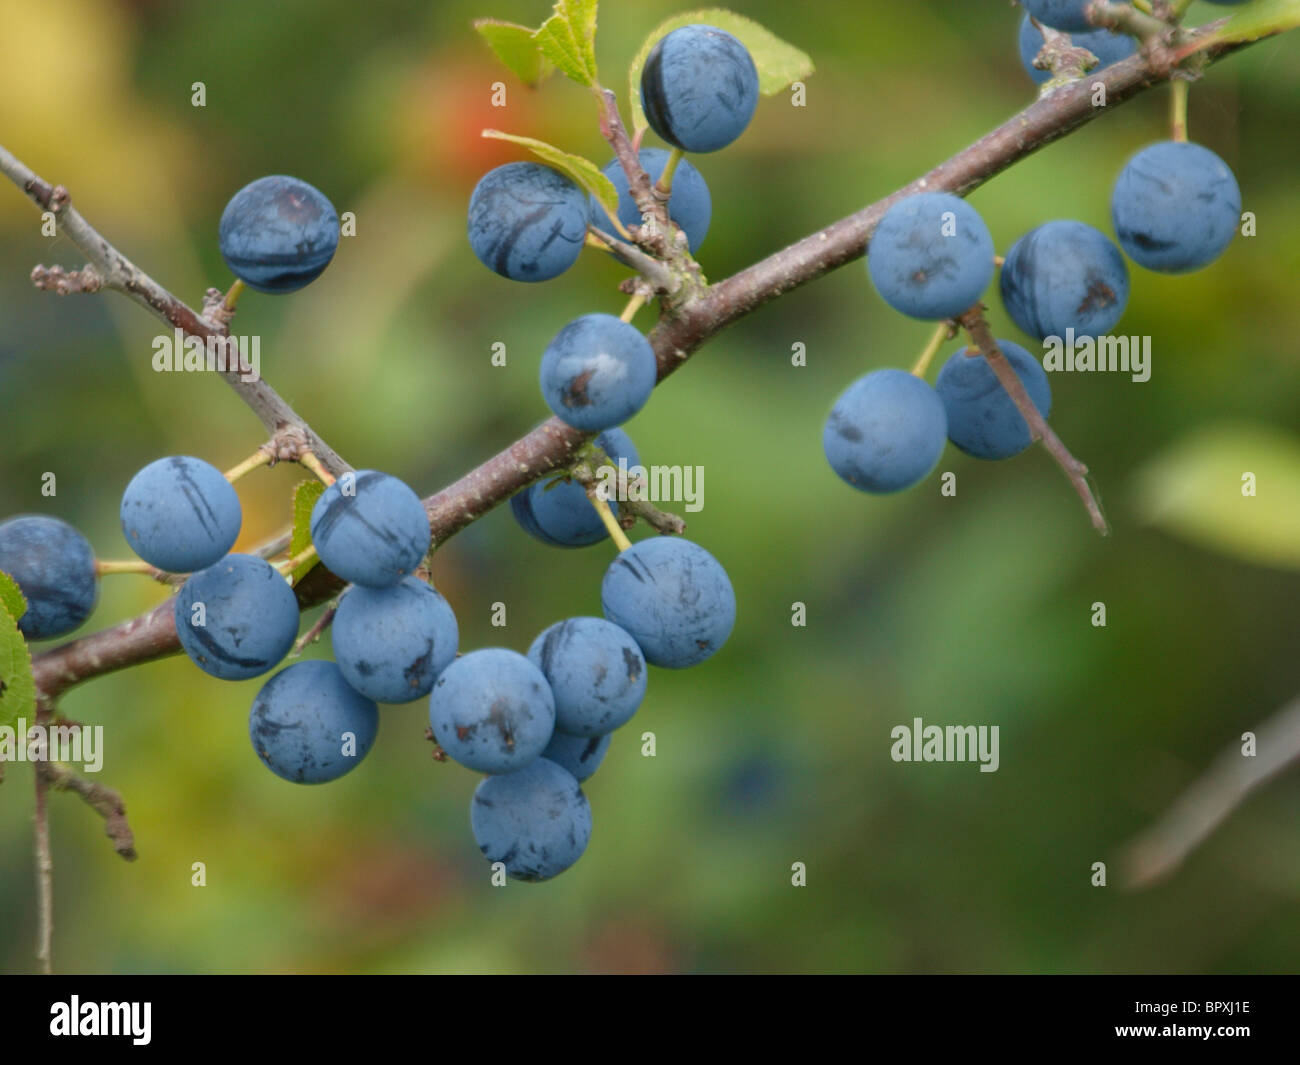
[1068, 15]
[690, 204]
[180, 514]
[250, 618]
[983, 420]
[1176, 207]
[1107, 46]
[492, 710]
[931, 256]
[597, 372]
[54, 567]
[596, 672]
[560, 514]
[699, 88]
[527, 222]
[391, 643]
[536, 822]
[886, 432]
[309, 726]
[580, 755]
[1065, 275]
[278, 234]
[673, 597]
[370, 529]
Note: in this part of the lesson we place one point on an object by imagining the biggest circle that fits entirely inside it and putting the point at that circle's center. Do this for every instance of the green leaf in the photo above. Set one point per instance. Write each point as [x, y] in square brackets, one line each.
[1260, 19]
[304, 499]
[515, 47]
[568, 39]
[17, 687]
[779, 64]
[586, 173]
[1194, 489]
[11, 597]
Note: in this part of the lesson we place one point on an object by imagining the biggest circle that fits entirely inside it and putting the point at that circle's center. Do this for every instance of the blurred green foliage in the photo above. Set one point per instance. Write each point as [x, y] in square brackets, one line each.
[968, 610]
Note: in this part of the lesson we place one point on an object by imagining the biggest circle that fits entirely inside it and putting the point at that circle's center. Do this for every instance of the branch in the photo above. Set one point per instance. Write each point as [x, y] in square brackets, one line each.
[110, 269]
[103, 800]
[1163, 847]
[639, 184]
[630, 505]
[974, 323]
[44, 862]
[685, 326]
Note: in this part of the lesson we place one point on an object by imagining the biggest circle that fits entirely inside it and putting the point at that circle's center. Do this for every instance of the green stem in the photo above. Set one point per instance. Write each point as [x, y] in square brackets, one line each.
[941, 333]
[308, 459]
[664, 186]
[1179, 109]
[256, 459]
[105, 567]
[232, 297]
[633, 305]
[615, 530]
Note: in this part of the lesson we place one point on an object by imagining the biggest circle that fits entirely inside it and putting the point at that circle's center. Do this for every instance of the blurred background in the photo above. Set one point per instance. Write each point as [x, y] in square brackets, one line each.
[970, 610]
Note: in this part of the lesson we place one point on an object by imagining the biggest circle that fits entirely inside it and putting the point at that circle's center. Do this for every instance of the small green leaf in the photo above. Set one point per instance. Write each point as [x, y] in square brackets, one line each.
[586, 173]
[779, 64]
[11, 597]
[515, 47]
[304, 499]
[568, 39]
[1260, 19]
[17, 687]
[1196, 490]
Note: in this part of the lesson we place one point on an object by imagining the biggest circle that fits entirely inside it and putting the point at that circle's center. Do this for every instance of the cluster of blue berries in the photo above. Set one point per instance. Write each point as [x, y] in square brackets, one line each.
[540, 724]
[237, 616]
[699, 89]
[276, 234]
[528, 222]
[1175, 208]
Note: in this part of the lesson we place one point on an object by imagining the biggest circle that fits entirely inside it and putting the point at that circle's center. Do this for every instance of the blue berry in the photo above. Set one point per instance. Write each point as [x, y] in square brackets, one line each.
[596, 672]
[560, 514]
[492, 710]
[54, 566]
[1065, 275]
[673, 597]
[1107, 46]
[580, 755]
[248, 621]
[690, 205]
[527, 222]
[278, 234]
[597, 372]
[1176, 207]
[308, 725]
[391, 643]
[885, 432]
[180, 514]
[699, 88]
[983, 420]
[1065, 15]
[536, 821]
[370, 529]
[931, 256]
